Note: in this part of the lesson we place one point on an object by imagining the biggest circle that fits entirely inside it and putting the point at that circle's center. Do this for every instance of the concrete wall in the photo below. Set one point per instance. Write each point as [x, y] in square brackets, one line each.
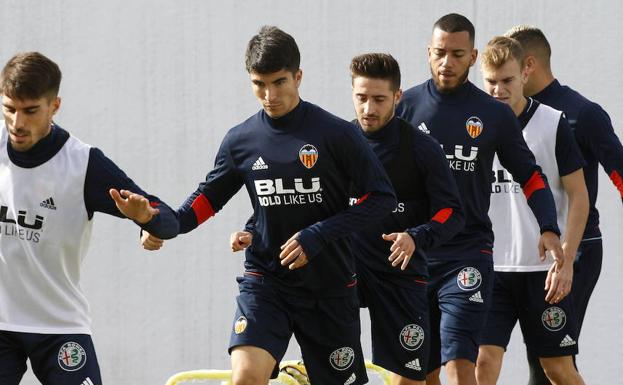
[157, 84]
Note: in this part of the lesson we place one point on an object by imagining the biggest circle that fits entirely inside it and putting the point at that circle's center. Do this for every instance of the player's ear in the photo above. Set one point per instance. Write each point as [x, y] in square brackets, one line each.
[529, 64]
[397, 95]
[474, 56]
[298, 76]
[56, 104]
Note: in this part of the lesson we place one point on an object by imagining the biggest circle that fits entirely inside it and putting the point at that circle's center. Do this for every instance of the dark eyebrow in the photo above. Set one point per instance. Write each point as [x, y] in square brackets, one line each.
[25, 108]
[279, 80]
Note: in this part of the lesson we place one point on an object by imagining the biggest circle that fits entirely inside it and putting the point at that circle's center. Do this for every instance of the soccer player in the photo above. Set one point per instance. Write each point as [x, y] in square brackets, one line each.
[390, 254]
[51, 184]
[471, 126]
[598, 143]
[298, 163]
[548, 322]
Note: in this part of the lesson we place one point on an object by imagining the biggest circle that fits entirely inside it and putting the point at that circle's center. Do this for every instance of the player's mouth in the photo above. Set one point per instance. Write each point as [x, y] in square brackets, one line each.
[18, 136]
[446, 74]
[370, 120]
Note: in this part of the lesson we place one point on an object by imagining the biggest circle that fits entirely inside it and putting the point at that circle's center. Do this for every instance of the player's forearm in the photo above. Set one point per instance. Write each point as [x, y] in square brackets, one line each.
[164, 225]
[376, 206]
[541, 203]
[578, 214]
[445, 224]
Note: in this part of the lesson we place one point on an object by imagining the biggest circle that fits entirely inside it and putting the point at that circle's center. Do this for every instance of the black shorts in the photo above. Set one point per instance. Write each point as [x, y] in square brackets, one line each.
[56, 359]
[459, 296]
[548, 330]
[399, 322]
[327, 329]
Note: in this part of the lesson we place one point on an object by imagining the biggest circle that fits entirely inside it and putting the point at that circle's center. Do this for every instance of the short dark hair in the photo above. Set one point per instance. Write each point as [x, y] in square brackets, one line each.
[272, 50]
[30, 75]
[453, 22]
[532, 40]
[376, 66]
[500, 50]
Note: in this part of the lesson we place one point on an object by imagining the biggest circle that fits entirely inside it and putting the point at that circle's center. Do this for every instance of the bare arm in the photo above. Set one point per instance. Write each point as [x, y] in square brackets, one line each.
[560, 280]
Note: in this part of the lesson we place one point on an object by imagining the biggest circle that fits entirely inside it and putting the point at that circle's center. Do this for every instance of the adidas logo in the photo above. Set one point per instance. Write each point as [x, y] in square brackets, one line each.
[415, 365]
[259, 164]
[567, 341]
[350, 379]
[87, 381]
[477, 297]
[422, 127]
[48, 204]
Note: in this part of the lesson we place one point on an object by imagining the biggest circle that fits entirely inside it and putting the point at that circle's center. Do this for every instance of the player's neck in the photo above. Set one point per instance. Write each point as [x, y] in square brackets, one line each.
[519, 106]
[539, 81]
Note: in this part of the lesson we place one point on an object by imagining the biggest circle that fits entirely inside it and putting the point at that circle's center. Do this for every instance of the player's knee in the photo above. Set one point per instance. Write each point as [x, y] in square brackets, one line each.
[560, 370]
[397, 379]
[489, 359]
[432, 378]
[248, 377]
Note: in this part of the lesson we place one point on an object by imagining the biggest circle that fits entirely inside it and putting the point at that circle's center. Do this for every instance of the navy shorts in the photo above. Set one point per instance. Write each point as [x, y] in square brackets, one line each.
[459, 296]
[327, 329]
[586, 270]
[399, 321]
[548, 330]
[56, 359]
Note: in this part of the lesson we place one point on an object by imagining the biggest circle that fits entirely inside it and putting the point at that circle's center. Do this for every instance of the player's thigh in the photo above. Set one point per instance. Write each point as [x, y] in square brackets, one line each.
[262, 318]
[251, 365]
[548, 330]
[61, 359]
[400, 328]
[464, 301]
[328, 332]
[503, 313]
[12, 358]
[587, 269]
[434, 315]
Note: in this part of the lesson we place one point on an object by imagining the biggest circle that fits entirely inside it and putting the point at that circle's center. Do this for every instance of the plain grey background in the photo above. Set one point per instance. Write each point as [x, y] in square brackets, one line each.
[156, 84]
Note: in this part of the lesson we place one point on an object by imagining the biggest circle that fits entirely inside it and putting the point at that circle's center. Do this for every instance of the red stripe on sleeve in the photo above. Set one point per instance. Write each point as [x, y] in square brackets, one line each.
[202, 208]
[618, 181]
[363, 198]
[442, 215]
[533, 184]
[153, 204]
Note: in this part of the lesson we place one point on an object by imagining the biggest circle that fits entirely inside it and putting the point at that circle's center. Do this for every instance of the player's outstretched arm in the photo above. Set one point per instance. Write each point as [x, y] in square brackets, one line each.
[134, 206]
[151, 242]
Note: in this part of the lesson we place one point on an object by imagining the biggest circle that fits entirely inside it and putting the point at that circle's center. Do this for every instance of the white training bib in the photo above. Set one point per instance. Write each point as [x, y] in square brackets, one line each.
[515, 228]
[44, 236]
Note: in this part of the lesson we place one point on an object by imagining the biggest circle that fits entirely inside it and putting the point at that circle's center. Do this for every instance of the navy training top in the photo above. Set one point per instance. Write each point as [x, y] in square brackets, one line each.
[472, 126]
[428, 209]
[596, 138]
[297, 170]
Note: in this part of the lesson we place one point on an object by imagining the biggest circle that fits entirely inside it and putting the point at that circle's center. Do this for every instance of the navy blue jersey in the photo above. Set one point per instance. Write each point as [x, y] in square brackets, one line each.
[595, 136]
[472, 126]
[429, 207]
[297, 170]
[568, 156]
[102, 175]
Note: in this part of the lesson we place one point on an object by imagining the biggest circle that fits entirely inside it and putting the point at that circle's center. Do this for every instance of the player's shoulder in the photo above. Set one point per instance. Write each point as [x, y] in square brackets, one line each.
[414, 92]
[326, 123]
[423, 143]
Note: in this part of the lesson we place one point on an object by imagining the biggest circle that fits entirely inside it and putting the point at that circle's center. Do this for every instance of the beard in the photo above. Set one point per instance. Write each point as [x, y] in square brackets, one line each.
[449, 88]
